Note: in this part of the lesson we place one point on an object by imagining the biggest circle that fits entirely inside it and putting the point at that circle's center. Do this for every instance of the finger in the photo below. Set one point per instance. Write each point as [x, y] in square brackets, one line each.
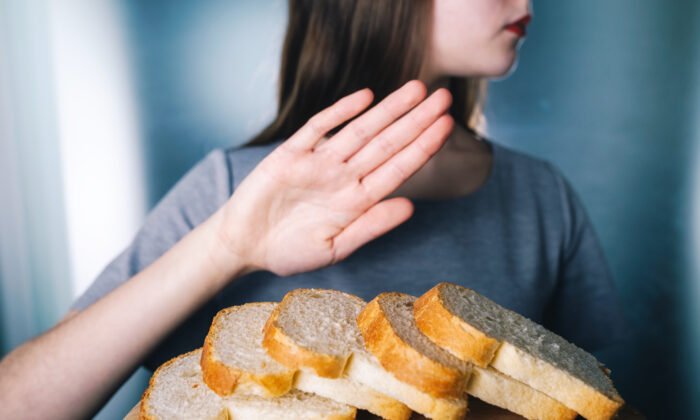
[375, 222]
[323, 122]
[401, 133]
[395, 171]
[362, 129]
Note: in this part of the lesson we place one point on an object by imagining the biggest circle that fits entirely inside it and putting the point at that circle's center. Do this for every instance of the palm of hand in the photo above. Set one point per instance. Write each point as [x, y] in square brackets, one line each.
[307, 206]
[322, 197]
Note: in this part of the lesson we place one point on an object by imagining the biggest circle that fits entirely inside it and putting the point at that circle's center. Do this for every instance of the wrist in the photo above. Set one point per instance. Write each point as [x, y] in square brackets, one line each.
[228, 264]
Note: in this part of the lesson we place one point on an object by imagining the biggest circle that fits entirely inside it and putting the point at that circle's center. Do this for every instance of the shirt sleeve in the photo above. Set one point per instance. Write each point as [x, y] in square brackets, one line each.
[585, 307]
[195, 197]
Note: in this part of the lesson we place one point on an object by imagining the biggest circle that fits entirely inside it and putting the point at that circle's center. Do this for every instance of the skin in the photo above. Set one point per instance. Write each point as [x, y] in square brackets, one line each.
[322, 198]
[477, 26]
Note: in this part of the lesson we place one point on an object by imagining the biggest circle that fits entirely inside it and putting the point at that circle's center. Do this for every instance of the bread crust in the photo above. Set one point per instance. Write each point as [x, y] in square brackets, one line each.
[500, 390]
[351, 416]
[144, 412]
[223, 379]
[283, 349]
[224, 413]
[416, 400]
[405, 362]
[451, 332]
[572, 392]
[467, 343]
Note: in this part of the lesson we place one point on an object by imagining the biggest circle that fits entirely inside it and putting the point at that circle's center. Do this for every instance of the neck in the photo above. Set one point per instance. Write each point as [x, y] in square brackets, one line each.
[459, 137]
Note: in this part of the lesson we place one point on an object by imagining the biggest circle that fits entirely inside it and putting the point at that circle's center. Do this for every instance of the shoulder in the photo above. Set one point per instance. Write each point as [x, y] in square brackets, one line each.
[525, 168]
[211, 181]
[530, 179]
[539, 185]
[200, 191]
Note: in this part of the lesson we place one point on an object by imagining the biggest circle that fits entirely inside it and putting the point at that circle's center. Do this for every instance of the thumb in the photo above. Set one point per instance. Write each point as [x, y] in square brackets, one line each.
[375, 222]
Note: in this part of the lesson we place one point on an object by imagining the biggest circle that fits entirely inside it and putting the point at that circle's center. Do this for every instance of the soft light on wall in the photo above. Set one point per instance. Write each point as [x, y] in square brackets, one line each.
[693, 249]
[98, 134]
[34, 271]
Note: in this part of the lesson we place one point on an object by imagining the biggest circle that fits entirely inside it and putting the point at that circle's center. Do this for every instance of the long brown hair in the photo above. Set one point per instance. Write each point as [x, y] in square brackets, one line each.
[335, 47]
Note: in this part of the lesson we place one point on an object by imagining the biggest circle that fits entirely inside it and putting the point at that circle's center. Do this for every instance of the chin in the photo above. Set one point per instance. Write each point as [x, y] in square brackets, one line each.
[491, 66]
[501, 67]
[494, 67]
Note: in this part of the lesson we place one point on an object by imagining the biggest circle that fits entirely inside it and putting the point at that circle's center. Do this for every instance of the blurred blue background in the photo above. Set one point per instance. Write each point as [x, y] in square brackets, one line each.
[104, 104]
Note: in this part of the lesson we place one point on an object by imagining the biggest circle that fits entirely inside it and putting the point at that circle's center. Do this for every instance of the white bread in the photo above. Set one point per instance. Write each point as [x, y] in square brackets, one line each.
[391, 332]
[362, 365]
[314, 330]
[368, 371]
[233, 359]
[500, 390]
[474, 328]
[177, 392]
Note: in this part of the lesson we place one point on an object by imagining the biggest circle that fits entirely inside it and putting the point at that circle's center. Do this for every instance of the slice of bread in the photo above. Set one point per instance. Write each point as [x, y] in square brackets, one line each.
[294, 405]
[314, 331]
[352, 392]
[177, 392]
[233, 359]
[474, 328]
[391, 334]
[500, 390]
[366, 369]
[415, 371]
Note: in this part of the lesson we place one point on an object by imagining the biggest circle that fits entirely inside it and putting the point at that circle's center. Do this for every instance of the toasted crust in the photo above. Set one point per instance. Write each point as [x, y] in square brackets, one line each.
[451, 332]
[223, 414]
[220, 378]
[571, 391]
[341, 417]
[320, 372]
[144, 412]
[224, 379]
[405, 362]
[467, 343]
[283, 349]
[389, 408]
[350, 416]
[418, 401]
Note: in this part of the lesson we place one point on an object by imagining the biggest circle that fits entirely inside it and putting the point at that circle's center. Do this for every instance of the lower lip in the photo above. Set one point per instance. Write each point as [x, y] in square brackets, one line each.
[519, 30]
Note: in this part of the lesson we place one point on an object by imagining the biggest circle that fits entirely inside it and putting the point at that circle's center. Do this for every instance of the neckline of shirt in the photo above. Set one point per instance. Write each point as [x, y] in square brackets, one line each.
[496, 156]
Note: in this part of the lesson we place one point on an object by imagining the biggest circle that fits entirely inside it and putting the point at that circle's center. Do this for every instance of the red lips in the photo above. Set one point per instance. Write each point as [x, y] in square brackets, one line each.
[518, 27]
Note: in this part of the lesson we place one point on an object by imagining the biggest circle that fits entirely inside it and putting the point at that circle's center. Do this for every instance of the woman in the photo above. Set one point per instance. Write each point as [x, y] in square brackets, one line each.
[329, 175]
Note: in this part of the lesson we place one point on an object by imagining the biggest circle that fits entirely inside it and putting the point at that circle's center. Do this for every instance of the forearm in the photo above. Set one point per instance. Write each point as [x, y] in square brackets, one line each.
[68, 371]
[302, 208]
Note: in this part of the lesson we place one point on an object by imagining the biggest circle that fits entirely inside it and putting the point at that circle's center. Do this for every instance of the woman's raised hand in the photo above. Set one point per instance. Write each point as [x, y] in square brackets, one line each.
[311, 203]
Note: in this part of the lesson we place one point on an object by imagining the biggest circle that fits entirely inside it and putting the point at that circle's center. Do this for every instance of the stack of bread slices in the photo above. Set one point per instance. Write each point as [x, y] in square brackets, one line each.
[321, 354]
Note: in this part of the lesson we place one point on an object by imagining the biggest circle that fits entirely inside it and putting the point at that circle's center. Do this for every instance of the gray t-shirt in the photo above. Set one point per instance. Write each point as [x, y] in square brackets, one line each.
[523, 239]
